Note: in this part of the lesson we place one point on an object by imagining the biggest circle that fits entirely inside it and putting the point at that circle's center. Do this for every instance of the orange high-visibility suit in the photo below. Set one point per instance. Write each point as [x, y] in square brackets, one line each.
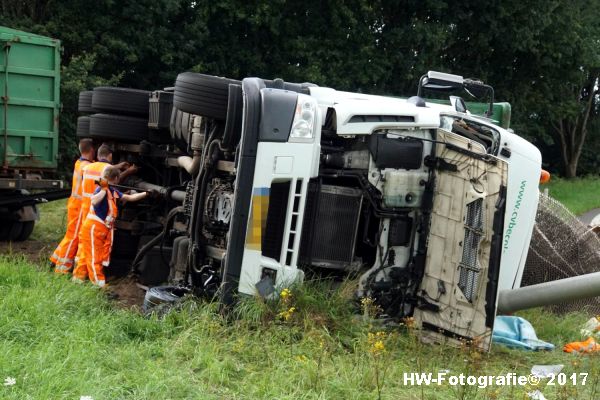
[95, 233]
[64, 254]
[91, 174]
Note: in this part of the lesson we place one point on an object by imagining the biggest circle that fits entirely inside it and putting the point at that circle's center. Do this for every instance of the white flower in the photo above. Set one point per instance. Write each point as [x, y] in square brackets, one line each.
[86, 398]
[9, 381]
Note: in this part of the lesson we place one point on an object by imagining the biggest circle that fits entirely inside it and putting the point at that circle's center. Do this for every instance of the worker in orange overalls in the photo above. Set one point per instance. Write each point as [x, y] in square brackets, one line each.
[92, 174]
[63, 256]
[98, 226]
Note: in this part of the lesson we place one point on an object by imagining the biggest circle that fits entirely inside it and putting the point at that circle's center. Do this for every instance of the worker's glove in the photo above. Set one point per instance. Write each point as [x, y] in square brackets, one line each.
[103, 183]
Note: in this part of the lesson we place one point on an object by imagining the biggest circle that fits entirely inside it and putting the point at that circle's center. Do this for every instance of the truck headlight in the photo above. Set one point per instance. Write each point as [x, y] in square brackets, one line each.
[305, 117]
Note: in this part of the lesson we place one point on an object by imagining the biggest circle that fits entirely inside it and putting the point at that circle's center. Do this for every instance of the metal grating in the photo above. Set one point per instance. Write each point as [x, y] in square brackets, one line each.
[294, 222]
[469, 265]
[562, 247]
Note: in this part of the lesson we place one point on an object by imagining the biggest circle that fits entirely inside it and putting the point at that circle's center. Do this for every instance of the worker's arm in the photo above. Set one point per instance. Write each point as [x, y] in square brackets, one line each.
[129, 171]
[122, 165]
[97, 198]
[134, 197]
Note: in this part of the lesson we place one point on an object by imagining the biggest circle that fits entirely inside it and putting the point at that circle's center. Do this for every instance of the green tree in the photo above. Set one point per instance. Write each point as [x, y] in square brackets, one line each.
[540, 55]
[543, 57]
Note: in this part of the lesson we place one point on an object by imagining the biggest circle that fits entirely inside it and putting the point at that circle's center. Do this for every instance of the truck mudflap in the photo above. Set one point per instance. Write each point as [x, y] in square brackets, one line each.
[458, 291]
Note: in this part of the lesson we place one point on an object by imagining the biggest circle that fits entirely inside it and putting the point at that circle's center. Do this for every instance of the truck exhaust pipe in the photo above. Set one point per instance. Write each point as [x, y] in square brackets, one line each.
[549, 293]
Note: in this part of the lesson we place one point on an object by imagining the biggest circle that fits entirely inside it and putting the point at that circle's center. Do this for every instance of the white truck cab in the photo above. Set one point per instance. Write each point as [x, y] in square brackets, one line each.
[429, 205]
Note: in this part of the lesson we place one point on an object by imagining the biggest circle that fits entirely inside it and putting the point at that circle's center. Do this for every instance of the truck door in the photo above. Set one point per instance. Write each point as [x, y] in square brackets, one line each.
[457, 294]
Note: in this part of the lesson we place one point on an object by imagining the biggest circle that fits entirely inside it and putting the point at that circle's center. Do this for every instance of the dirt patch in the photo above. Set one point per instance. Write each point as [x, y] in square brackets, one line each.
[125, 290]
[33, 250]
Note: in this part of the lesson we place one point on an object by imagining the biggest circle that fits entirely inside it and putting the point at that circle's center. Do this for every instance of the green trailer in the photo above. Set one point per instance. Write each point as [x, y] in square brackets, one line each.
[30, 106]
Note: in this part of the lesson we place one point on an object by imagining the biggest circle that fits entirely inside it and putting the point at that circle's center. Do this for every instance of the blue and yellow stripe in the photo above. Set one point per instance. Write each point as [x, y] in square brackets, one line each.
[258, 217]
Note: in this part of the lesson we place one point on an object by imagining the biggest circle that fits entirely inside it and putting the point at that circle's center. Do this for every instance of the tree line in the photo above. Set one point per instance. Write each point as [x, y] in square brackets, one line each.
[543, 56]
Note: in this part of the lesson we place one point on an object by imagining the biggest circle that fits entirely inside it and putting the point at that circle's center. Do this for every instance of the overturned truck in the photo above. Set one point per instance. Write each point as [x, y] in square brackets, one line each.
[265, 181]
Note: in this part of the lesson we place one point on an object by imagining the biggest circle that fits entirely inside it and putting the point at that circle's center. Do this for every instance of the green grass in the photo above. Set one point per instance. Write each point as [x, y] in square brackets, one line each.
[62, 341]
[53, 216]
[578, 195]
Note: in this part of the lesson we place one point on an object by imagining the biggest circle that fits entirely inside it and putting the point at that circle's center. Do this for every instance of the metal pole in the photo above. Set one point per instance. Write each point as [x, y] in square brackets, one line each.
[549, 293]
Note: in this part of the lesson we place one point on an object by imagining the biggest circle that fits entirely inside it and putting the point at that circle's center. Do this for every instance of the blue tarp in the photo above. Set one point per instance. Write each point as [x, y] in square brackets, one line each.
[516, 332]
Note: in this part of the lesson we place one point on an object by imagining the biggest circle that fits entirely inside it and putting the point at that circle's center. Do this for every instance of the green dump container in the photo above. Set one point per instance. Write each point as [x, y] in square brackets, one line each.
[30, 101]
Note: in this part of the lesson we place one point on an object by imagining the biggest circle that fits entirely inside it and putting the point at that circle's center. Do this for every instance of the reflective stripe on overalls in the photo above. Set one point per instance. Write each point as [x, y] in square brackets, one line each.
[65, 252]
[91, 174]
[94, 236]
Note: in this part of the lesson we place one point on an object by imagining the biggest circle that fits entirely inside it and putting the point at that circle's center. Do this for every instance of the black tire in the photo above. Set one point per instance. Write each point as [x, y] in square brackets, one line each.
[83, 127]
[203, 95]
[5, 227]
[122, 101]
[118, 127]
[85, 102]
[15, 231]
[162, 295]
[26, 231]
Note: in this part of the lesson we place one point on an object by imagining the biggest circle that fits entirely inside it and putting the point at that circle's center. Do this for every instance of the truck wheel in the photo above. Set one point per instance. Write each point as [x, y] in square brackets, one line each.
[118, 127]
[26, 230]
[115, 100]
[83, 127]
[203, 95]
[85, 102]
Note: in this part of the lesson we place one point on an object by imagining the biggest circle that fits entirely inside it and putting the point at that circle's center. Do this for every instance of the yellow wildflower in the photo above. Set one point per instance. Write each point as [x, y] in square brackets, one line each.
[285, 294]
[302, 358]
[377, 348]
[366, 301]
[287, 314]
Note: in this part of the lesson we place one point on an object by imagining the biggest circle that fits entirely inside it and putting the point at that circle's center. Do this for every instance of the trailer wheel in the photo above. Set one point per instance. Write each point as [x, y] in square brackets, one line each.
[5, 227]
[83, 127]
[26, 231]
[85, 102]
[123, 101]
[15, 230]
[203, 95]
[118, 127]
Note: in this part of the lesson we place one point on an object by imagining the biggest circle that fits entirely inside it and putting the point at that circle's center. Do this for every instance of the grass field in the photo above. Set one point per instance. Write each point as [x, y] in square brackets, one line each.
[579, 195]
[53, 219]
[64, 341]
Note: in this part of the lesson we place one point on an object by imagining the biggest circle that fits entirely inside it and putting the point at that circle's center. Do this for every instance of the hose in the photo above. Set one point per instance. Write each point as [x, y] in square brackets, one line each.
[142, 252]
